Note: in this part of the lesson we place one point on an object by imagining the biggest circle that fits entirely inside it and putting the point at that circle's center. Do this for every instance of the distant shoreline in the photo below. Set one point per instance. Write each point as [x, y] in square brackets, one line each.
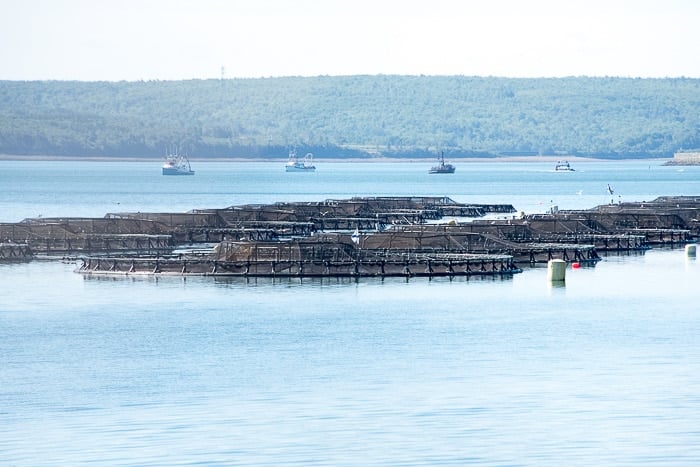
[550, 159]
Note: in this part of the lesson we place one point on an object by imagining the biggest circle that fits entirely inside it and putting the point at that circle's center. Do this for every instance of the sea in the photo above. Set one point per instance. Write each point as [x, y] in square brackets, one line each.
[602, 369]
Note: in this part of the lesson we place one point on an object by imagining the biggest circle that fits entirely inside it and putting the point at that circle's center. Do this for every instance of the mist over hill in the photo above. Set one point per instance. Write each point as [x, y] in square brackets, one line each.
[352, 116]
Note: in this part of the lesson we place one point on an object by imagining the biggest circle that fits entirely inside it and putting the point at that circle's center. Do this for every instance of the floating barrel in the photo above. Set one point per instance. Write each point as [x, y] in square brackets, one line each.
[690, 250]
[556, 270]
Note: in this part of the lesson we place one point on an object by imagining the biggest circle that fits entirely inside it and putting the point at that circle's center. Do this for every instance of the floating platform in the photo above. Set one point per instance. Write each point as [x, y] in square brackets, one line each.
[393, 265]
[10, 252]
[397, 236]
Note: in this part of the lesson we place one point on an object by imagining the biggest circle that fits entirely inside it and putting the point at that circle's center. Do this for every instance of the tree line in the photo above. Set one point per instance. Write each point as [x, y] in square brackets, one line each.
[353, 116]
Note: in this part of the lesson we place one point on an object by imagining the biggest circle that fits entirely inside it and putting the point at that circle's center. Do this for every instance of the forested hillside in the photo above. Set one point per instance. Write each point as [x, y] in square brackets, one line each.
[353, 116]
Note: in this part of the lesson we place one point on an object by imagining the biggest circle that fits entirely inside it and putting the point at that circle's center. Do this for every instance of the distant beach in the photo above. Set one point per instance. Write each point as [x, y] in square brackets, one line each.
[151, 159]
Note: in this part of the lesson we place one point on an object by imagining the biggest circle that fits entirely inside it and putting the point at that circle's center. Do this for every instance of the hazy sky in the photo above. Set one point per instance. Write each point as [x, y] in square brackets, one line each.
[177, 39]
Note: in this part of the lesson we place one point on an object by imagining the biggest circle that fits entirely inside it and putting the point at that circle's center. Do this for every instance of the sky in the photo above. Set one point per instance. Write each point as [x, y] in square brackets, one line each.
[115, 40]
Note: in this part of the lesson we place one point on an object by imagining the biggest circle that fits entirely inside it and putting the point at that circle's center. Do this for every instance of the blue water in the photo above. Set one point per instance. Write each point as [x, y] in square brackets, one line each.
[57, 189]
[604, 370]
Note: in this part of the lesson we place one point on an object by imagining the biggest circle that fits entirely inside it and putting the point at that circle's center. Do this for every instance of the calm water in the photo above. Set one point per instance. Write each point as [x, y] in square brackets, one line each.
[55, 189]
[602, 371]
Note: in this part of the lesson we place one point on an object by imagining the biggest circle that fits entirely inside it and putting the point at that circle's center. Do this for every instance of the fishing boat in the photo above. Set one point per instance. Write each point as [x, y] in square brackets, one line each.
[295, 165]
[442, 167]
[177, 164]
[563, 166]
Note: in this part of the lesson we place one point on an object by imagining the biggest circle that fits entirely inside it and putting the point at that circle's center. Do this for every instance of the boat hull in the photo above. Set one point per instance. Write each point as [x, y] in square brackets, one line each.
[442, 170]
[173, 171]
[299, 169]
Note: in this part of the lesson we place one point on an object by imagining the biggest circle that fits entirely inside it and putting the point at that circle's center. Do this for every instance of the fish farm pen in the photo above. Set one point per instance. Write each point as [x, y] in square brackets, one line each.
[361, 236]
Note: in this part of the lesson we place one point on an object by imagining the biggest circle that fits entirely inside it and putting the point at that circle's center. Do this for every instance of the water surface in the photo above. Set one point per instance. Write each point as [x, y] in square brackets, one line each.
[604, 370]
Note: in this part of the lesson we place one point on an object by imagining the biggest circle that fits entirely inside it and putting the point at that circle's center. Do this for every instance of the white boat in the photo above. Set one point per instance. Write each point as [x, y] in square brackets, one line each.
[563, 166]
[295, 165]
[442, 167]
[177, 164]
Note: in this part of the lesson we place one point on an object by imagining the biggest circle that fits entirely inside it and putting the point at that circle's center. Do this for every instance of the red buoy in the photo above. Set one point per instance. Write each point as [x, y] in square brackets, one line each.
[575, 265]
